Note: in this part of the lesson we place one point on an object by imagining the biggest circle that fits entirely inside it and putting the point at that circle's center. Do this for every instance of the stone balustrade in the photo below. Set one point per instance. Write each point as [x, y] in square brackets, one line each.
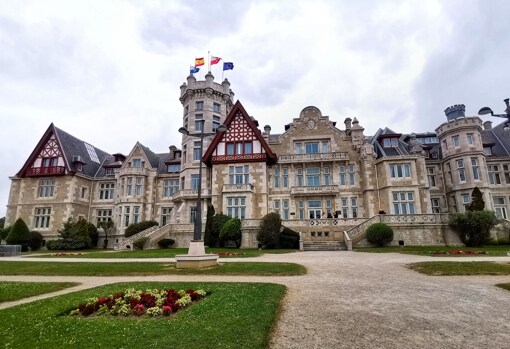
[290, 158]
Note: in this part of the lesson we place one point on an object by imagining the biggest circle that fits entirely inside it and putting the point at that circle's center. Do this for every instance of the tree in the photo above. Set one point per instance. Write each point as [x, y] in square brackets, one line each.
[19, 234]
[73, 236]
[136, 228]
[209, 239]
[231, 231]
[477, 203]
[2, 222]
[269, 233]
[93, 234]
[219, 221]
[36, 240]
[379, 234]
[473, 227]
[108, 229]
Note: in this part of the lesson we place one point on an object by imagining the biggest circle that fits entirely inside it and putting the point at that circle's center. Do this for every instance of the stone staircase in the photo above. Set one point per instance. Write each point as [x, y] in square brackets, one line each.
[324, 246]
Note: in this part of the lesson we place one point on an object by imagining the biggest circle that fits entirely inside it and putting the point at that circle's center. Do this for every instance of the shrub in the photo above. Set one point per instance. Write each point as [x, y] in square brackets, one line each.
[19, 234]
[55, 245]
[135, 228]
[231, 231]
[4, 232]
[473, 227]
[219, 221]
[36, 240]
[73, 236]
[269, 233]
[166, 243]
[289, 238]
[139, 243]
[209, 239]
[477, 203]
[93, 234]
[379, 234]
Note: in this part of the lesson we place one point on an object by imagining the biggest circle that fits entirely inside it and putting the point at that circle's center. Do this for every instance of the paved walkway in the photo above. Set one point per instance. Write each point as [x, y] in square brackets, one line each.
[363, 300]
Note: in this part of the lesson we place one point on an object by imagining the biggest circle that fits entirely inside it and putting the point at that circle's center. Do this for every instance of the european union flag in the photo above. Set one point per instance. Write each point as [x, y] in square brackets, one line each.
[228, 66]
[194, 70]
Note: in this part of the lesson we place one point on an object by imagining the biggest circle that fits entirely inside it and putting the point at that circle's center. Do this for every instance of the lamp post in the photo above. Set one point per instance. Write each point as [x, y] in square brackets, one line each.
[197, 234]
[487, 110]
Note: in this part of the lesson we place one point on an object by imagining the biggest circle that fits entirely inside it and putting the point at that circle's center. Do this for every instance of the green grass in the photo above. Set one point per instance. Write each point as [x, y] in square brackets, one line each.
[461, 268]
[12, 291]
[492, 250]
[234, 315]
[504, 286]
[161, 253]
[146, 268]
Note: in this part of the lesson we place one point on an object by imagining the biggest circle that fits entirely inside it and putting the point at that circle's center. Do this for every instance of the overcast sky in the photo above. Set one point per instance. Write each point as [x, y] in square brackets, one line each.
[109, 72]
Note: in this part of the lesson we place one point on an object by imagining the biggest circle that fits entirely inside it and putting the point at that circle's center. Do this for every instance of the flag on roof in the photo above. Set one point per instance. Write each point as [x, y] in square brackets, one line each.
[193, 70]
[228, 66]
[215, 60]
[199, 62]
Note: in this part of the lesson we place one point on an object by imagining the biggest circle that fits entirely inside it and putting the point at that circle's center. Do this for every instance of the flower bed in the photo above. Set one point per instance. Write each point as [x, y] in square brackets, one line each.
[229, 254]
[153, 303]
[59, 254]
[459, 252]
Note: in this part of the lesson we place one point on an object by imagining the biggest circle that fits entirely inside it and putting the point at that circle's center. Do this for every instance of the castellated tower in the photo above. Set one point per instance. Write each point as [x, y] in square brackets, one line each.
[205, 104]
[463, 163]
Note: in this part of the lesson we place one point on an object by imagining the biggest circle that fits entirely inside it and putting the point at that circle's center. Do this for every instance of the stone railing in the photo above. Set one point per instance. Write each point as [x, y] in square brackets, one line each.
[312, 157]
[318, 189]
[129, 241]
[230, 188]
[136, 171]
[189, 194]
[334, 222]
[45, 171]
[417, 218]
[357, 233]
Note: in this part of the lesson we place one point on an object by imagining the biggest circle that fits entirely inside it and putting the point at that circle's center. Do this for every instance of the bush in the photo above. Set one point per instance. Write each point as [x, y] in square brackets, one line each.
[379, 234]
[218, 222]
[19, 234]
[166, 243]
[473, 227]
[289, 238]
[73, 236]
[231, 231]
[93, 234]
[36, 241]
[4, 232]
[139, 243]
[135, 228]
[55, 245]
[209, 239]
[269, 233]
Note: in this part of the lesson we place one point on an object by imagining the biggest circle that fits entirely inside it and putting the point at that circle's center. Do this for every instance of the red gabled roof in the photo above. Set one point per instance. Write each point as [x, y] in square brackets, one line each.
[238, 108]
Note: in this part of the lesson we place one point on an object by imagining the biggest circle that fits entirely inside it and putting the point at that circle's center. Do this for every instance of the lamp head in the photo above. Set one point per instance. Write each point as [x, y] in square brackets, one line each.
[184, 131]
[485, 111]
[221, 129]
[506, 128]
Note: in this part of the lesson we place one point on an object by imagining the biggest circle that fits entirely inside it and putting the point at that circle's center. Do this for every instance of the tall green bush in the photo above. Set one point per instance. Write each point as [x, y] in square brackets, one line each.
[135, 228]
[379, 234]
[231, 231]
[269, 233]
[477, 203]
[19, 234]
[473, 227]
[209, 239]
[73, 236]
[36, 240]
[93, 234]
[108, 230]
[289, 238]
[4, 232]
[219, 221]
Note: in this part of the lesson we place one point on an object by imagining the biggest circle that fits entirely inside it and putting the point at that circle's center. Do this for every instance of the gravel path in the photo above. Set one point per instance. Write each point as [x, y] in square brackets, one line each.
[364, 300]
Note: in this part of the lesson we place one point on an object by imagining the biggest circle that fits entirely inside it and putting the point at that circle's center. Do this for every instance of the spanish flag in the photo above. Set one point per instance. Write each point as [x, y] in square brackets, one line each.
[199, 62]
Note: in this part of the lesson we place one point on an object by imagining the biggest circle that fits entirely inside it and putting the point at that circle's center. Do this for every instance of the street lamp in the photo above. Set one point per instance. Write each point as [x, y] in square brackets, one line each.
[197, 235]
[487, 110]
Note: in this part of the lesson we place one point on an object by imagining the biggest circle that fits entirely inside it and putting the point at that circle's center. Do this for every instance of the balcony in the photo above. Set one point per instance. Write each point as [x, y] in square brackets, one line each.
[135, 171]
[187, 194]
[315, 190]
[46, 171]
[290, 158]
[237, 188]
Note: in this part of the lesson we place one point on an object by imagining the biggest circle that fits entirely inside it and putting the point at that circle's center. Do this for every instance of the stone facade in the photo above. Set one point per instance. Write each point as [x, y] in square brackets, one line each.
[322, 179]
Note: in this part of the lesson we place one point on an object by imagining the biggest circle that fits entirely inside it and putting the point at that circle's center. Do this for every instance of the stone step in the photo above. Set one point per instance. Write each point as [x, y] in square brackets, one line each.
[324, 246]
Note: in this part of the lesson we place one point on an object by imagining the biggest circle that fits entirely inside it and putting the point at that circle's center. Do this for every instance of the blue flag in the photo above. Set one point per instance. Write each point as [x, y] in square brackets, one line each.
[194, 70]
[228, 66]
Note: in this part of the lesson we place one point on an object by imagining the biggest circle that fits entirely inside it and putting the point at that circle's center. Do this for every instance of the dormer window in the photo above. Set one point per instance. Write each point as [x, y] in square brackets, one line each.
[390, 142]
[137, 163]
[109, 171]
[173, 168]
[487, 151]
[239, 148]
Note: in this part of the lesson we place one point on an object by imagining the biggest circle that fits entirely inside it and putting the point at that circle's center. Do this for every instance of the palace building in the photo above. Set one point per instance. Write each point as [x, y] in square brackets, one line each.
[327, 180]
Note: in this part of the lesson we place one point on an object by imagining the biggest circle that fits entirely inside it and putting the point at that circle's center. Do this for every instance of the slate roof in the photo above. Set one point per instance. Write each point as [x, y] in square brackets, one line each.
[401, 149]
[500, 139]
[151, 156]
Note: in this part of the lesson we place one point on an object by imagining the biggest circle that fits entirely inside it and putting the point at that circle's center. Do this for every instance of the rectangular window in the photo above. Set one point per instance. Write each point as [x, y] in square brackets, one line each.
[494, 175]
[354, 207]
[326, 176]
[195, 180]
[297, 148]
[199, 105]
[276, 177]
[173, 168]
[342, 175]
[126, 215]
[129, 186]
[313, 177]
[192, 214]
[137, 163]
[431, 173]
[109, 171]
[165, 215]
[325, 147]
[500, 207]
[236, 207]
[42, 217]
[314, 209]
[83, 192]
[199, 122]
[299, 177]
[285, 209]
[216, 123]
[216, 107]
[285, 177]
[445, 145]
[196, 151]
[351, 174]
[507, 173]
[466, 199]
[470, 139]
[230, 149]
[403, 202]
[462, 172]
[239, 174]
[46, 188]
[456, 141]
[390, 142]
[487, 151]
[138, 187]
[476, 171]
[301, 209]
[106, 191]
[345, 207]
[436, 208]
[136, 214]
[400, 171]
[276, 206]
[312, 148]
[103, 216]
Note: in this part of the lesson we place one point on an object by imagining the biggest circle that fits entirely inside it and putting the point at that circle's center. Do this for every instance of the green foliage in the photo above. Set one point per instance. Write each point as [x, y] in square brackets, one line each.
[219, 221]
[379, 234]
[231, 231]
[166, 243]
[477, 203]
[473, 227]
[135, 228]
[4, 232]
[108, 229]
[2, 222]
[14, 290]
[289, 238]
[19, 235]
[93, 234]
[269, 233]
[140, 243]
[209, 239]
[73, 236]
[36, 240]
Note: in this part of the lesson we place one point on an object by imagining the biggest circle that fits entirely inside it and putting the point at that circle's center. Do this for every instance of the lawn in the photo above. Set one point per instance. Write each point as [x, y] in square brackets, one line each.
[162, 253]
[233, 315]
[146, 268]
[12, 291]
[505, 286]
[461, 268]
[492, 250]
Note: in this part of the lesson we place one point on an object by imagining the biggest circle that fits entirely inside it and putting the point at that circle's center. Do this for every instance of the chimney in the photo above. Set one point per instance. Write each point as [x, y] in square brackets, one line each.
[487, 125]
[347, 123]
[455, 111]
[267, 130]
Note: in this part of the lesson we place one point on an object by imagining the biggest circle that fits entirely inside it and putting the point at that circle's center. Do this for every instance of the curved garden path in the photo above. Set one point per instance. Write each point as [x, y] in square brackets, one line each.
[362, 300]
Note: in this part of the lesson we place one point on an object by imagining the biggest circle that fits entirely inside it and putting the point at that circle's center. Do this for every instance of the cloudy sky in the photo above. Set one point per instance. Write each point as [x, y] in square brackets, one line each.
[109, 72]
